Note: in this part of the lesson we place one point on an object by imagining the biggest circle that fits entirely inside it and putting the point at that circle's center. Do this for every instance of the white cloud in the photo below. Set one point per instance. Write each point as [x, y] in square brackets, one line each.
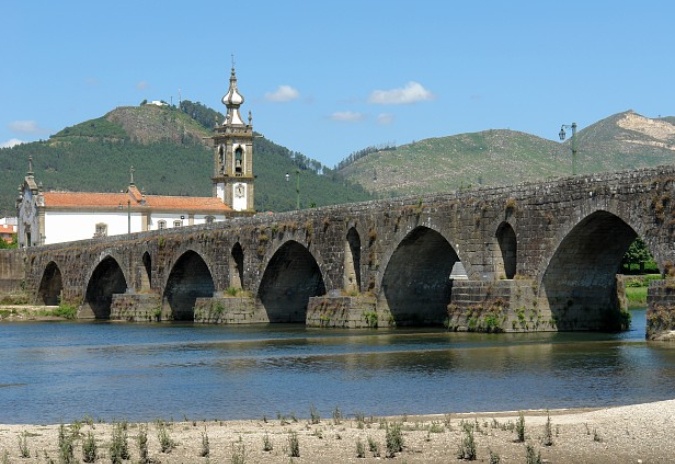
[385, 118]
[412, 92]
[347, 116]
[24, 127]
[283, 93]
[10, 143]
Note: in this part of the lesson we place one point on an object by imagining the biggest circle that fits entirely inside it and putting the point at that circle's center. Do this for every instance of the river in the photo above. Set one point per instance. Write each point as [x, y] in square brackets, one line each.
[52, 372]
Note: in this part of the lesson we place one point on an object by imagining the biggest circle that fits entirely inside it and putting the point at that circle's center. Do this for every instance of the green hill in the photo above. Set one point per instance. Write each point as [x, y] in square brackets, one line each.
[167, 148]
[502, 157]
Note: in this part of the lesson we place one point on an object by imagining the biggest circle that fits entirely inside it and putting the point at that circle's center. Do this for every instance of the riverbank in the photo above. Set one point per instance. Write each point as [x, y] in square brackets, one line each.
[21, 313]
[629, 434]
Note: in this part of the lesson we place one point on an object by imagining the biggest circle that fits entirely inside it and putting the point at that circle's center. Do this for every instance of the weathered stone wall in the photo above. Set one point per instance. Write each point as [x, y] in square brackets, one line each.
[229, 310]
[661, 310]
[347, 312]
[11, 272]
[562, 240]
[135, 308]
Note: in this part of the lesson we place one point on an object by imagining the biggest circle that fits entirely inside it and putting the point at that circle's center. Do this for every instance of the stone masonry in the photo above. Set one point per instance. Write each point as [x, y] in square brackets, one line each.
[537, 256]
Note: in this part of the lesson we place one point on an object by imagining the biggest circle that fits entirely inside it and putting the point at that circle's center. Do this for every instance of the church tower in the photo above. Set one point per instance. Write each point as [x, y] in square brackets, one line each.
[233, 156]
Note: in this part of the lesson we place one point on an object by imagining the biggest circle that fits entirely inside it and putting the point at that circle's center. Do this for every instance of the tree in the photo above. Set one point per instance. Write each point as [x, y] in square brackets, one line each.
[637, 253]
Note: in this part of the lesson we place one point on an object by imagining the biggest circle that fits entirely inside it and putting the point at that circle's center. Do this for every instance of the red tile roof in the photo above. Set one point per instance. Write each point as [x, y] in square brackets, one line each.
[95, 200]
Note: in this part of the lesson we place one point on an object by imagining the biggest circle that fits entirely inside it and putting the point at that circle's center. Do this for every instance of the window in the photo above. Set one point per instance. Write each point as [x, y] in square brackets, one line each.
[177, 223]
[210, 219]
[238, 155]
[101, 230]
[161, 225]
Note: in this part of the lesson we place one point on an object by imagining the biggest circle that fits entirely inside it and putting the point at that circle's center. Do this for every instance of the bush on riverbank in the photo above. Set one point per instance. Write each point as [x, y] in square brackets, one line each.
[636, 289]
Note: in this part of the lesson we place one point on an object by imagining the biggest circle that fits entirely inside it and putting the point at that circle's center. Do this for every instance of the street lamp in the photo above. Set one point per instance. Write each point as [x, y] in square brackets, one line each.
[297, 187]
[573, 142]
[129, 217]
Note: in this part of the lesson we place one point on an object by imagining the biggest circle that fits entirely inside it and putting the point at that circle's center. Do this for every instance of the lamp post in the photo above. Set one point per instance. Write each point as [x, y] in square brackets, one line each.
[297, 187]
[573, 142]
[129, 217]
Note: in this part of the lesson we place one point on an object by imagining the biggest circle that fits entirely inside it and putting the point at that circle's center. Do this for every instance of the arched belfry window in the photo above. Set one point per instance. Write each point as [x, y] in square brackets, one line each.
[238, 160]
[221, 157]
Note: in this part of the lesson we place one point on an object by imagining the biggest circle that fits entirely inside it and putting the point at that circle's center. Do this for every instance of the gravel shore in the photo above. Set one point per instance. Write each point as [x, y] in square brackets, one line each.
[641, 433]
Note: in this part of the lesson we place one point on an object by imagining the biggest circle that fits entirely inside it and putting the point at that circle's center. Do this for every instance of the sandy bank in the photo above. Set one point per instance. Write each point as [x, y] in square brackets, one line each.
[630, 434]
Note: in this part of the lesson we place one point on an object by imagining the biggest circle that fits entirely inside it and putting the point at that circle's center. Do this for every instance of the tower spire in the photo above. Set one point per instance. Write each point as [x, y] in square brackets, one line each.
[233, 100]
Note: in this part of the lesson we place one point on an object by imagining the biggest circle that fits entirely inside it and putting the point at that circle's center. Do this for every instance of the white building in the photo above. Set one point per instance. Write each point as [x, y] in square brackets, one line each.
[54, 217]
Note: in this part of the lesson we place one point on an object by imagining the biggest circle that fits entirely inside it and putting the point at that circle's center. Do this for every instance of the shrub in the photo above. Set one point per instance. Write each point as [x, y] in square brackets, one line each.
[166, 444]
[314, 416]
[66, 455]
[337, 416]
[548, 432]
[206, 450]
[467, 448]
[238, 452]
[532, 457]
[360, 449]
[394, 439]
[24, 452]
[267, 444]
[520, 428]
[371, 319]
[293, 445]
[66, 311]
[119, 448]
[142, 440]
[89, 451]
[374, 447]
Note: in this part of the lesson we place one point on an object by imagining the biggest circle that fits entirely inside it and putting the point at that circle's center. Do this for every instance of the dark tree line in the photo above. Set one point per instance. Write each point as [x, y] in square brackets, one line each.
[202, 114]
[357, 155]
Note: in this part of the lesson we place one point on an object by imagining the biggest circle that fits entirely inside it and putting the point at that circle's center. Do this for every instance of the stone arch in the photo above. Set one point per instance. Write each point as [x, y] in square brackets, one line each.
[106, 280]
[579, 282]
[416, 286]
[51, 285]
[237, 267]
[189, 279]
[352, 262]
[291, 277]
[507, 251]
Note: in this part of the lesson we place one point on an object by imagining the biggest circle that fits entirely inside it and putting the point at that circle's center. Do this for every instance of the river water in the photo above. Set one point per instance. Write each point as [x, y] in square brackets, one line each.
[52, 372]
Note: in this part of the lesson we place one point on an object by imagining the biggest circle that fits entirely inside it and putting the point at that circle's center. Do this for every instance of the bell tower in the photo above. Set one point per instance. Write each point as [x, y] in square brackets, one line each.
[233, 153]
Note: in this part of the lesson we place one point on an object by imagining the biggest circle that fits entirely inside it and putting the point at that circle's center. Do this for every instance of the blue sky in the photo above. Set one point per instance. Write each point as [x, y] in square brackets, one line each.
[327, 78]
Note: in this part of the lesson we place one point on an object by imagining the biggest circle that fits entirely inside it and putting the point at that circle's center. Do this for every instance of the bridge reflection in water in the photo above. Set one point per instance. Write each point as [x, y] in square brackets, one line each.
[60, 372]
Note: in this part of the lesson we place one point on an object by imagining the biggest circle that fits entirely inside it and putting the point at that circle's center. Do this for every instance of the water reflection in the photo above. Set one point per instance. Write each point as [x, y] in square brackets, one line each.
[52, 372]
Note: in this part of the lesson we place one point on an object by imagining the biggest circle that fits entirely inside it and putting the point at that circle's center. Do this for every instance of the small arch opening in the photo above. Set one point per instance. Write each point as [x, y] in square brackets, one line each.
[51, 285]
[508, 248]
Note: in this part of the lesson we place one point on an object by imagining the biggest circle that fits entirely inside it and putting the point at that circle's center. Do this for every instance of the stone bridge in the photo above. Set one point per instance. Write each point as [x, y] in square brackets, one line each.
[536, 256]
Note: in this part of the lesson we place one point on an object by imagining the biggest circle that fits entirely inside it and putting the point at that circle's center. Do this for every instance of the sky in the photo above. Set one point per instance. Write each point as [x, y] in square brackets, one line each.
[328, 78]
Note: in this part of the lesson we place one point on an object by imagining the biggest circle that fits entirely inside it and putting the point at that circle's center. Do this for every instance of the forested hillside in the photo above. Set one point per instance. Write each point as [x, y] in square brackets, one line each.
[166, 147]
